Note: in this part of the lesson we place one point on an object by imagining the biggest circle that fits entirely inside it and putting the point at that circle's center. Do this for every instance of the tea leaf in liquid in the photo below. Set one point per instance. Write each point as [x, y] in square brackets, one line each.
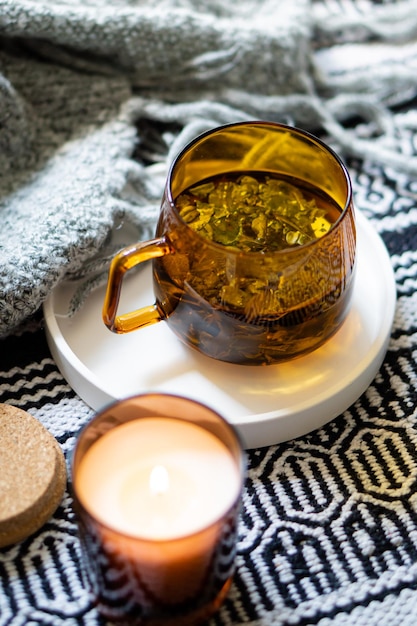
[261, 213]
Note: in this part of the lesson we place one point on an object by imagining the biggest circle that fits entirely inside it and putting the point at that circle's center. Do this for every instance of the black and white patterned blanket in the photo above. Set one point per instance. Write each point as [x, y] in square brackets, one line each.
[328, 532]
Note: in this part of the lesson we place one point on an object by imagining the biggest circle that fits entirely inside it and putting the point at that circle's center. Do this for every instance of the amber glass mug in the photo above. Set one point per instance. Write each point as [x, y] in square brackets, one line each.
[254, 253]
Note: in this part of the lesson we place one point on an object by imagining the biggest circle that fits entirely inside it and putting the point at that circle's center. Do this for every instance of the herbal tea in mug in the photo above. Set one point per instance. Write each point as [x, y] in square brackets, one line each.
[254, 255]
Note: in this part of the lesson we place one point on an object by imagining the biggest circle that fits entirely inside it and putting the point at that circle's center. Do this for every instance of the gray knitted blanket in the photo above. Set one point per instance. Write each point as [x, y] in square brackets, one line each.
[97, 97]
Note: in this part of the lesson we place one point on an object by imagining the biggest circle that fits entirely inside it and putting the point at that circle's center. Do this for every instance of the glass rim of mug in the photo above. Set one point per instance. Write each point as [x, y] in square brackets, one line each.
[241, 464]
[277, 126]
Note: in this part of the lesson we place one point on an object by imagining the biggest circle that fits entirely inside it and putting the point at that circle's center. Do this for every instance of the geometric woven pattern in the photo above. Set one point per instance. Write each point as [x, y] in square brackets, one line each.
[328, 531]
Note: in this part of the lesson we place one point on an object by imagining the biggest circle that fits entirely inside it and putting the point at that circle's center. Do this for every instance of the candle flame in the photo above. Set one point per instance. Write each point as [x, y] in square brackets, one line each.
[159, 480]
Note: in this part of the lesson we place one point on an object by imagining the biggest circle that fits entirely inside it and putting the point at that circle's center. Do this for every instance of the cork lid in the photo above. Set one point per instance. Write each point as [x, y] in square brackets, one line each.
[32, 475]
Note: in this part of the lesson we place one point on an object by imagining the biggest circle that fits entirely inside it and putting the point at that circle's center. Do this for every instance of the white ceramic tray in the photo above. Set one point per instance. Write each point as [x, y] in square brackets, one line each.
[267, 404]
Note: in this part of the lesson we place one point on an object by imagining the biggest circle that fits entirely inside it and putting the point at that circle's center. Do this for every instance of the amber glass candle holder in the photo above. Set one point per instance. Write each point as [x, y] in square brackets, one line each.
[157, 482]
[254, 255]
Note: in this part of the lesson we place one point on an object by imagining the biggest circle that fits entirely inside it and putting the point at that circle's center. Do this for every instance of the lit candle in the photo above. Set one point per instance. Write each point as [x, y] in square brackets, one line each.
[158, 502]
[158, 478]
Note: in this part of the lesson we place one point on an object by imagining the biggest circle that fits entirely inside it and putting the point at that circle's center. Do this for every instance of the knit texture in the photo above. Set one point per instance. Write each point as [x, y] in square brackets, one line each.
[97, 97]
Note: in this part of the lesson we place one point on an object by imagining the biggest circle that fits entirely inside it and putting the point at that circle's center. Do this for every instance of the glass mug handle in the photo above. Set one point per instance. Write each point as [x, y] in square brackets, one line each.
[126, 259]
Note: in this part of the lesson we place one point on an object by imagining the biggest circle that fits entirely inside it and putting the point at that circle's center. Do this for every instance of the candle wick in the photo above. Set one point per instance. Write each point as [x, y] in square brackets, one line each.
[159, 480]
